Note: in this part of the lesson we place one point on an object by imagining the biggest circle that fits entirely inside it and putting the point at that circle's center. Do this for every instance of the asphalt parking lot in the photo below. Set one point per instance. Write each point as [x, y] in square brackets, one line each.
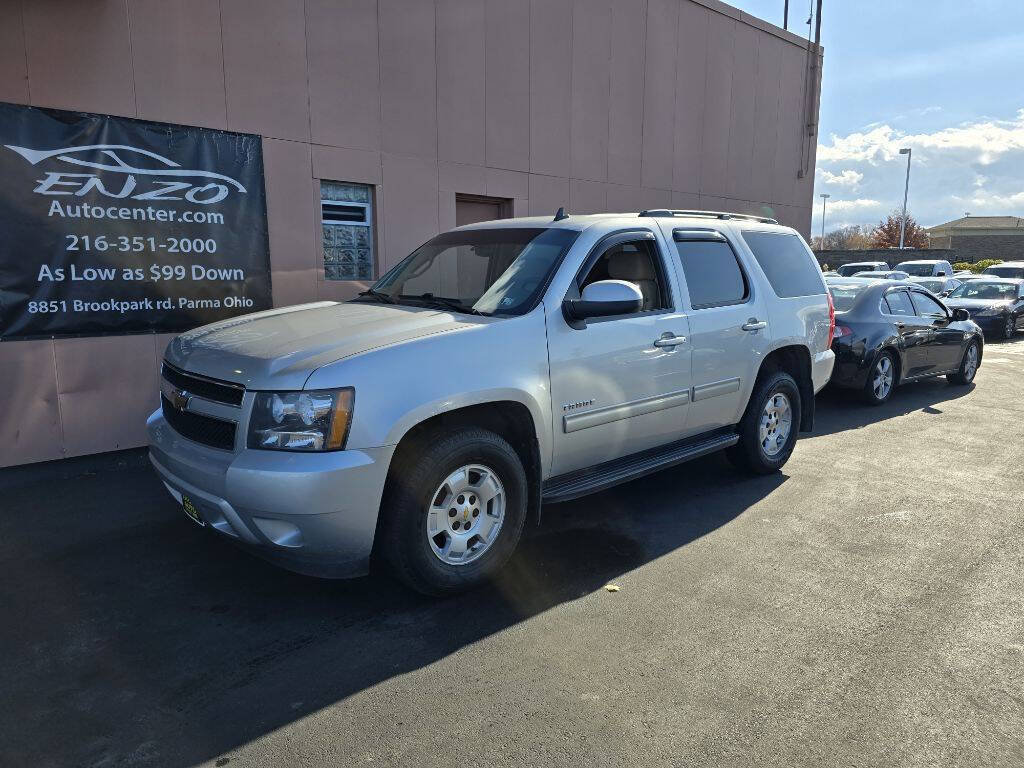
[865, 607]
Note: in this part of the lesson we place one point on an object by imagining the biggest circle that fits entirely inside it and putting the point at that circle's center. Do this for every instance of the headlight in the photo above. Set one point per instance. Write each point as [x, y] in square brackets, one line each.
[990, 312]
[301, 421]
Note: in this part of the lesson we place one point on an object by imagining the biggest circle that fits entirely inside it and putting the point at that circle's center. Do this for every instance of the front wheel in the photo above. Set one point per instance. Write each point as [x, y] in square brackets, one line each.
[453, 510]
[1009, 327]
[968, 366]
[769, 426]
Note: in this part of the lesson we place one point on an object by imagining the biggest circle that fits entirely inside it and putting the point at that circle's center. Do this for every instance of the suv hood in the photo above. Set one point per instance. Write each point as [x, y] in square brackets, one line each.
[280, 348]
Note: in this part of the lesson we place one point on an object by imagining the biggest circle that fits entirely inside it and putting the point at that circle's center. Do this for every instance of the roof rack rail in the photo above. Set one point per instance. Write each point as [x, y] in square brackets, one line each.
[669, 212]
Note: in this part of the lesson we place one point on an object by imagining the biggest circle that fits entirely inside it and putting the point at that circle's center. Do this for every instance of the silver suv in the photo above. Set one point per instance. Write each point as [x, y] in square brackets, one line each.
[499, 366]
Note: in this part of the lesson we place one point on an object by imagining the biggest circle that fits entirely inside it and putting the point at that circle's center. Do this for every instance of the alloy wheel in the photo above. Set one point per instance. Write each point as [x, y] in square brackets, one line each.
[776, 424]
[882, 378]
[971, 362]
[465, 514]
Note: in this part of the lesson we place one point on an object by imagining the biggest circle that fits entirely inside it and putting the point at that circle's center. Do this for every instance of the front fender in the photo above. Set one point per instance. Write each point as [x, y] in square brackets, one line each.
[400, 386]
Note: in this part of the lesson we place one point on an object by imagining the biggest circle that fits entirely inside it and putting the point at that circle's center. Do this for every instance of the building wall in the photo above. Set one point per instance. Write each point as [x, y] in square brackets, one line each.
[836, 258]
[972, 248]
[589, 104]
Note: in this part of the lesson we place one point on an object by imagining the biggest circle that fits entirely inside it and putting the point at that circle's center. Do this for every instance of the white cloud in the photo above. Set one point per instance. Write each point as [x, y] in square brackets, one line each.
[986, 140]
[976, 166]
[847, 178]
[840, 207]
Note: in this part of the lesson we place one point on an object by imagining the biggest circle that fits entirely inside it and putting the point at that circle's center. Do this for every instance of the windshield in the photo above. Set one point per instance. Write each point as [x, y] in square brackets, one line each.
[915, 270]
[849, 269]
[1005, 271]
[844, 294]
[483, 271]
[980, 289]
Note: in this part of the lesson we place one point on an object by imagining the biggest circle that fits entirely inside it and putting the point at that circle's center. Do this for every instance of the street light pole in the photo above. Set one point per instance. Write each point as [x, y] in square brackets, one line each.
[906, 189]
[824, 197]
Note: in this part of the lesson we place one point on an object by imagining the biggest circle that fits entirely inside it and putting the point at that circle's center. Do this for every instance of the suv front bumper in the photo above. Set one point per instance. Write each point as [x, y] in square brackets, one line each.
[314, 513]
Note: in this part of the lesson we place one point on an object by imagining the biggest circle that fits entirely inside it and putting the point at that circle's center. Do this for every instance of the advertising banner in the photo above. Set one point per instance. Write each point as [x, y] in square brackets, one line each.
[111, 225]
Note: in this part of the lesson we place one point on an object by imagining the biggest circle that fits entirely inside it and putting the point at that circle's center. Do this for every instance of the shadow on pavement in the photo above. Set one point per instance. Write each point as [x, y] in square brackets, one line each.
[842, 409]
[133, 636]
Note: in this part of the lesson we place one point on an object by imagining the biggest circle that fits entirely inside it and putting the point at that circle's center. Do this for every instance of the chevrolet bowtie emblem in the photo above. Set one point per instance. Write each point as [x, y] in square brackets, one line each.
[177, 397]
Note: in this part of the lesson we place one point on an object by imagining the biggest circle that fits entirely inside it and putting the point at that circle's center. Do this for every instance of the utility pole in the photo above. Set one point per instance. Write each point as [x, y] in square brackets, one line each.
[906, 189]
[785, 15]
[824, 197]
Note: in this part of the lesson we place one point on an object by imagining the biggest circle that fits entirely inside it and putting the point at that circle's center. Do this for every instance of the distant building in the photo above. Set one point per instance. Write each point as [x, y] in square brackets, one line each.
[981, 237]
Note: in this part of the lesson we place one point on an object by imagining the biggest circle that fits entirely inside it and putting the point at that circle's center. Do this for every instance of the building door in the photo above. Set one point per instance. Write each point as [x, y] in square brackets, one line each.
[470, 209]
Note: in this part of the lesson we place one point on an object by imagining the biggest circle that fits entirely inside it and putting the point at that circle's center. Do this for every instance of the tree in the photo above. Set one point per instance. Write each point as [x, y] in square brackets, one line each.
[852, 238]
[887, 233]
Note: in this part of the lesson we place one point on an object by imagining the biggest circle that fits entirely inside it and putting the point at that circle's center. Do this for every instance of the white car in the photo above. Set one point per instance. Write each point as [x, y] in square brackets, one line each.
[926, 268]
[499, 366]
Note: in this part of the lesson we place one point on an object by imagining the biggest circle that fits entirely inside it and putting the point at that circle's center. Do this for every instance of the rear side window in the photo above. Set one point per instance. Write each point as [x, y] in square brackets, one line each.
[713, 275]
[788, 266]
[898, 303]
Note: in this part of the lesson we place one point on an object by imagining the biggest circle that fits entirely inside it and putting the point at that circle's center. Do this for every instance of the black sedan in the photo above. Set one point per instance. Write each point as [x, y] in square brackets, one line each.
[889, 333]
[995, 303]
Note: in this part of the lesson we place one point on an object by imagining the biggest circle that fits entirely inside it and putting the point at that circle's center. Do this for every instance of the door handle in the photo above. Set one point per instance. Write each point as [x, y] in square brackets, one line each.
[669, 340]
[753, 324]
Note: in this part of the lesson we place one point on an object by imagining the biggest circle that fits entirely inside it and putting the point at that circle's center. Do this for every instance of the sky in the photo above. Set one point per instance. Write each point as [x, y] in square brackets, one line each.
[942, 77]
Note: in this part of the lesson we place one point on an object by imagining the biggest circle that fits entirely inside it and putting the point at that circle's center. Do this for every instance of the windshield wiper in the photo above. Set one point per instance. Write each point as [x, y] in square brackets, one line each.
[444, 301]
[378, 295]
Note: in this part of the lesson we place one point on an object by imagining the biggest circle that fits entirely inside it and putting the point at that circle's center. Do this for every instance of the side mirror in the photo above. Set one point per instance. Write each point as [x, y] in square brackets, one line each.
[940, 274]
[604, 299]
[961, 314]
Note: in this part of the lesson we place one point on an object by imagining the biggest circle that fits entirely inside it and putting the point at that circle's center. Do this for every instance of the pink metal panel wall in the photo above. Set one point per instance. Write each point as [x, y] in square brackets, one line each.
[178, 62]
[591, 104]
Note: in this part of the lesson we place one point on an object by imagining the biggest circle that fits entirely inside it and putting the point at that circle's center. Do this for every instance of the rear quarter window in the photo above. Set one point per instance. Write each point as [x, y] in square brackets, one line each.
[786, 262]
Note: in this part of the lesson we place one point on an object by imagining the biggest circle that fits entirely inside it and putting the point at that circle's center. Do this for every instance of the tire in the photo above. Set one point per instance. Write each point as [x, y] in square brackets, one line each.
[750, 454]
[1009, 327]
[967, 371]
[414, 487]
[881, 379]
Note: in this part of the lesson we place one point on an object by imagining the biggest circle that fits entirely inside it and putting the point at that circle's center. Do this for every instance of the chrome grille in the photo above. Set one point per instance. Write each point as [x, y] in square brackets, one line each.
[210, 389]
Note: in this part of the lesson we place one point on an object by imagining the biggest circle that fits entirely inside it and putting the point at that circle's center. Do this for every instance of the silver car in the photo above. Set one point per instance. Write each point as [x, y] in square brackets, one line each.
[499, 366]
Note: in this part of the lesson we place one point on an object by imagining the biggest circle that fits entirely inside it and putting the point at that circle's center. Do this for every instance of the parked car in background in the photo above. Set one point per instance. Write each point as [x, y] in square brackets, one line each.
[994, 303]
[889, 333]
[940, 286]
[890, 275]
[499, 365]
[830, 273]
[1006, 269]
[926, 268]
[961, 273]
[846, 270]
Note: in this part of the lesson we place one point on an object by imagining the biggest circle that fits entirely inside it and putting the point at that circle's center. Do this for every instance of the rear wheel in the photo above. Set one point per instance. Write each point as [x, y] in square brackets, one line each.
[968, 366]
[453, 510]
[881, 380]
[769, 427]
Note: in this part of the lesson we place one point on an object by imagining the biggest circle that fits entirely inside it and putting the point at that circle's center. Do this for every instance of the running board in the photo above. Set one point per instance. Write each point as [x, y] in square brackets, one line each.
[576, 484]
